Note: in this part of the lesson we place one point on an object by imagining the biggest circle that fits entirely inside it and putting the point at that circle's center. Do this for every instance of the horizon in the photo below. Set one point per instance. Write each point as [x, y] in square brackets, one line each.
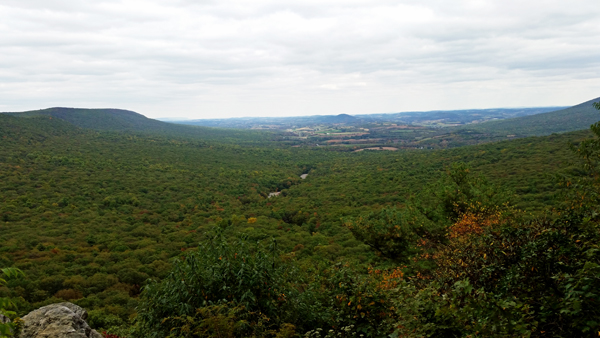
[387, 113]
[180, 118]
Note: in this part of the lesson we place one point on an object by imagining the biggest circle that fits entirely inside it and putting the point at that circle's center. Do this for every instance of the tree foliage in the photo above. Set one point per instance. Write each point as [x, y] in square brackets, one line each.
[177, 234]
[8, 329]
[219, 273]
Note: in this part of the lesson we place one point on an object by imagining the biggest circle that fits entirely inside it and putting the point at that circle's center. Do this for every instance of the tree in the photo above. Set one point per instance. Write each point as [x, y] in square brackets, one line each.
[7, 329]
[585, 183]
[246, 284]
[399, 233]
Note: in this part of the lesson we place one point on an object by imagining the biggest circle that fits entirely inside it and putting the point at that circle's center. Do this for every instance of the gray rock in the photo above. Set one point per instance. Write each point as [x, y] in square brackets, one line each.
[62, 320]
[75, 308]
[4, 319]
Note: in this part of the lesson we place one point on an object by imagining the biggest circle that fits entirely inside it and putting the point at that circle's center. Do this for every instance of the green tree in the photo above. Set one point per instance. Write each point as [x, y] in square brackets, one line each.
[393, 232]
[221, 273]
[8, 329]
[584, 184]
[399, 233]
[460, 192]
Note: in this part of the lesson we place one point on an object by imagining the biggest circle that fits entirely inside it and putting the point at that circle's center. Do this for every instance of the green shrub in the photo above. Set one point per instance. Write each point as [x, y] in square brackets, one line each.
[251, 277]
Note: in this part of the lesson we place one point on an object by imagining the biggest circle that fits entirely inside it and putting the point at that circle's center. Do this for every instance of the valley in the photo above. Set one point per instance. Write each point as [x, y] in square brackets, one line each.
[106, 209]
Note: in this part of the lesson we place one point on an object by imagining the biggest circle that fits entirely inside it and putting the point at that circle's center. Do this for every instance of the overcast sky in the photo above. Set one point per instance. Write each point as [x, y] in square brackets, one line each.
[209, 59]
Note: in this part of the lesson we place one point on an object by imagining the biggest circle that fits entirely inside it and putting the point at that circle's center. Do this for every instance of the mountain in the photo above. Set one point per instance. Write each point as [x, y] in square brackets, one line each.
[97, 216]
[101, 119]
[457, 117]
[120, 120]
[577, 117]
[36, 128]
[436, 118]
[341, 118]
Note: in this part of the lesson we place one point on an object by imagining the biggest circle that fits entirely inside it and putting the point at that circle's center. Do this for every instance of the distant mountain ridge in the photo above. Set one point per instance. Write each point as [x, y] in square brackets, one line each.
[461, 116]
[505, 123]
[108, 119]
[436, 118]
[341, 118]
[121, 120]
[578, 117]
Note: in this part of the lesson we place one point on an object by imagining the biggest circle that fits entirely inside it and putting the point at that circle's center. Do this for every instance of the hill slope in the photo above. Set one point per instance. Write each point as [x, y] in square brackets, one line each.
[37, 128]
[100, 119]
[577, 117]
[119, 120]
[89, 216]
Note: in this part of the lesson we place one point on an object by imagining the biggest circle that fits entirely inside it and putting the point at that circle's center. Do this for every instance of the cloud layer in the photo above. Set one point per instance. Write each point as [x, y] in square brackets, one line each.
[204, 59]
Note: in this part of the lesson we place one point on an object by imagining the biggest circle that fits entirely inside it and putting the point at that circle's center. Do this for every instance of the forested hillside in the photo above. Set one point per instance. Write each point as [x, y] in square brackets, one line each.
[577, 117]
[163, 234]
[99, 119]
[119, 120]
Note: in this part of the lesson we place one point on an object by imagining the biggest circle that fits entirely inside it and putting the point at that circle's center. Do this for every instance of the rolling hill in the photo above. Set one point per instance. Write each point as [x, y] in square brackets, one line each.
[93, 215]
[101, 119]
[119, 120]
[577, 117]
[438, 118]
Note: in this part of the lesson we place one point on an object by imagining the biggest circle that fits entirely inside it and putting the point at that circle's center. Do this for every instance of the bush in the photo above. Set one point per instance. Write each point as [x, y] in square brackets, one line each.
[251, 279]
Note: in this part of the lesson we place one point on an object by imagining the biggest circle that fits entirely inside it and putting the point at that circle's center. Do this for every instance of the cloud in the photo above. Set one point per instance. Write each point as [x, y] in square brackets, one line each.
[239, 58]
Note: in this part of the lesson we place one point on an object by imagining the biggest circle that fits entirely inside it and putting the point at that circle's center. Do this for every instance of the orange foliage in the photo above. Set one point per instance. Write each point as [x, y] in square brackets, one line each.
[389, 278]
[467, 250]
[472, 224]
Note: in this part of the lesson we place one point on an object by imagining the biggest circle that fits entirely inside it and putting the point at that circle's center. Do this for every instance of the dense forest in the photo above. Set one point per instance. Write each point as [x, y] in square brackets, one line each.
[163, 230]
[569, 119]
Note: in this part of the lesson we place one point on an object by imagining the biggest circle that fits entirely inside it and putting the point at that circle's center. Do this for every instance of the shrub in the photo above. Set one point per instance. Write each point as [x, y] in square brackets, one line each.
[251, 279]
[69, 294]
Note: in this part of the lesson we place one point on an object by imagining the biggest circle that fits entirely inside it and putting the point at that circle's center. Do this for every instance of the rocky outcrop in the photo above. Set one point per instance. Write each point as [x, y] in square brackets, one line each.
[62, 320]
[4, 319]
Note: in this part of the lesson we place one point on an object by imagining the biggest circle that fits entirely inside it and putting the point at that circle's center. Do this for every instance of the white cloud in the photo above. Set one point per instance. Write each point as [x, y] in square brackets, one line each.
[240, 58]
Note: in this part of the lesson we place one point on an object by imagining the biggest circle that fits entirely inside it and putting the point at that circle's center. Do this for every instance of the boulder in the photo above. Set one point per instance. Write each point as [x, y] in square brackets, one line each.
[62, 320]
[4, 319]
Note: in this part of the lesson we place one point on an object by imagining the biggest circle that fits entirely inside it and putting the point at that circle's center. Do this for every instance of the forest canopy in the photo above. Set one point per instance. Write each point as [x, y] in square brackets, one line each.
[163, 235]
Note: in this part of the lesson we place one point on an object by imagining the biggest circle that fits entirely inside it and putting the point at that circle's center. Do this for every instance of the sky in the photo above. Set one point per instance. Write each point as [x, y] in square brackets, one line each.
[216, 59]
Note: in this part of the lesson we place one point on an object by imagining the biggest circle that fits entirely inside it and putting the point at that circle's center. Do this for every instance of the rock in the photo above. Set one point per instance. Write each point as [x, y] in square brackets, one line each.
[4, 319]
[75, 308]
[62, 320]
